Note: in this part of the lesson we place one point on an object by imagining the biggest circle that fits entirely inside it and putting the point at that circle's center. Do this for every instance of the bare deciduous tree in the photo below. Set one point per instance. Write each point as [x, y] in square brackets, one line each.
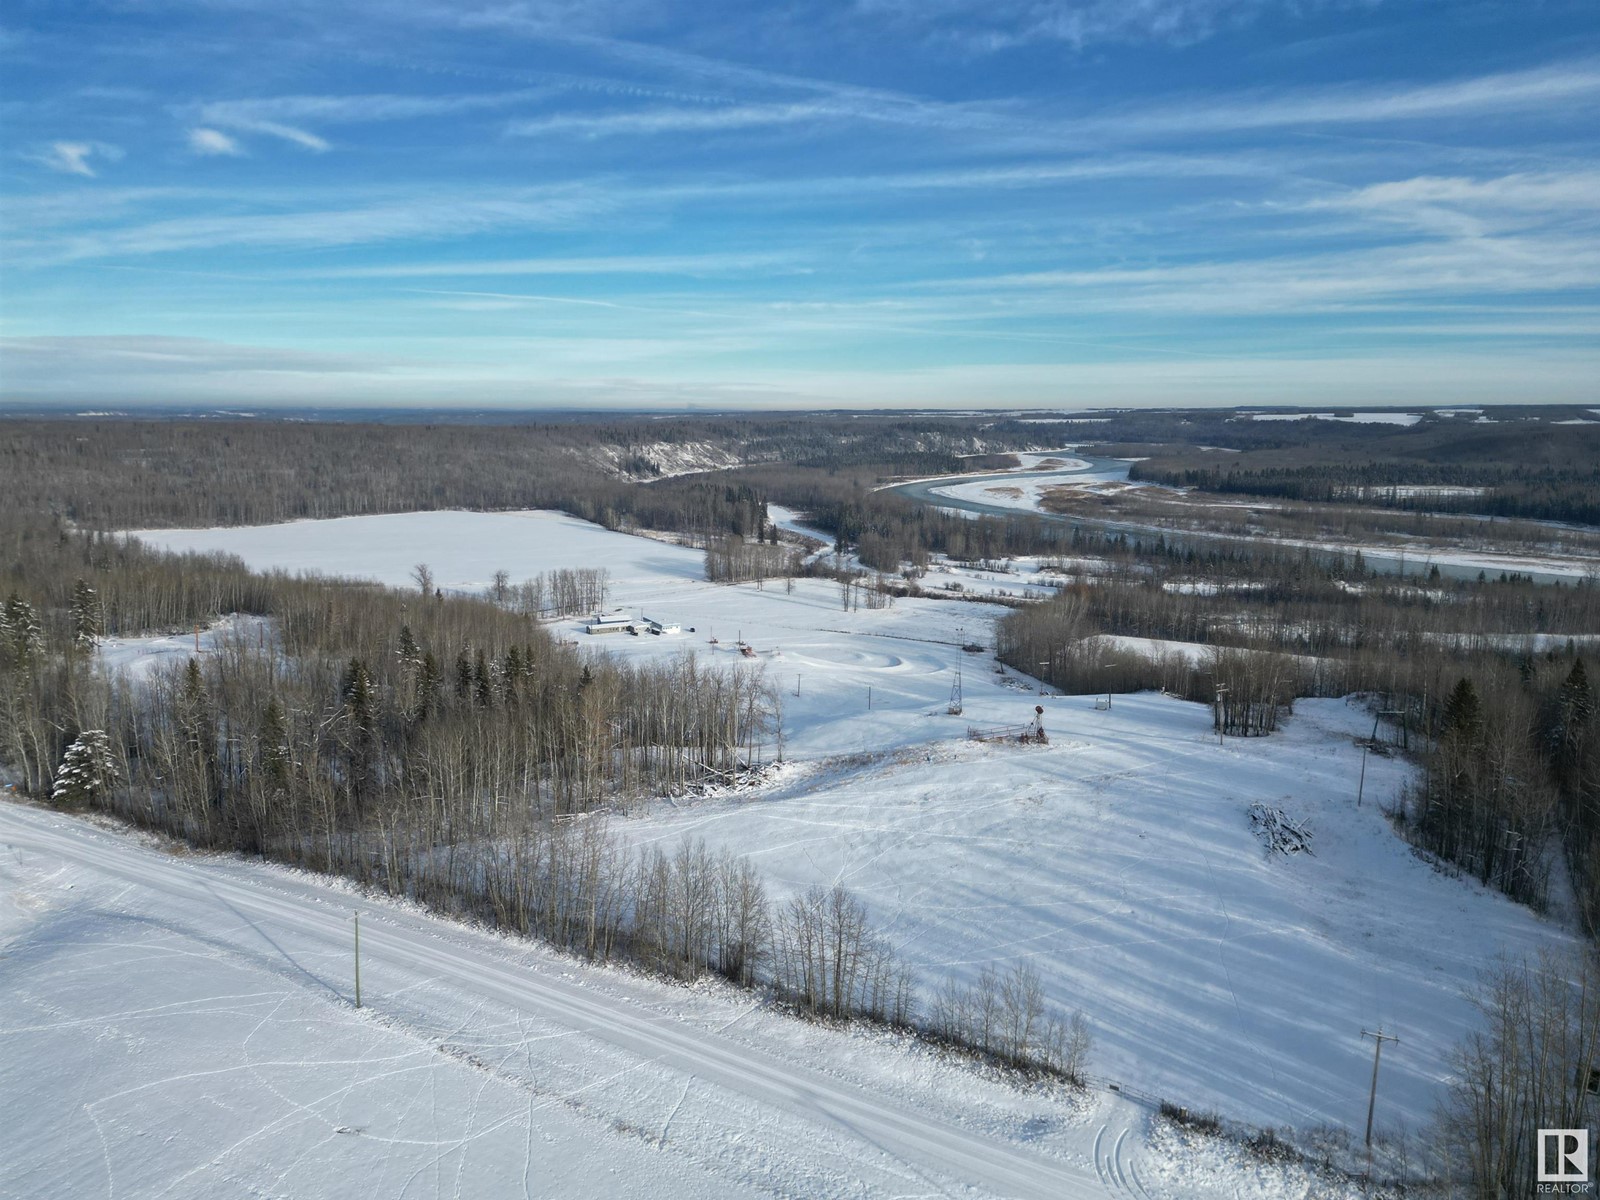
[1531, 1067]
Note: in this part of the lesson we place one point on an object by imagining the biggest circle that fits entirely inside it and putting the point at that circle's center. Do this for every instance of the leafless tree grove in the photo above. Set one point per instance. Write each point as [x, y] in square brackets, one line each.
[1533, 1066]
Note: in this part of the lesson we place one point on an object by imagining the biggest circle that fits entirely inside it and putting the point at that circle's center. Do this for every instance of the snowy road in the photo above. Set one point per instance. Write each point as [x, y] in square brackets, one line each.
[306, 923]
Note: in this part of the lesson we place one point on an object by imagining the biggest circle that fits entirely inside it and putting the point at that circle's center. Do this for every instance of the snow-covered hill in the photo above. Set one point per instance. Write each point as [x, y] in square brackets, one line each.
[183, 1026]
[1120, 862]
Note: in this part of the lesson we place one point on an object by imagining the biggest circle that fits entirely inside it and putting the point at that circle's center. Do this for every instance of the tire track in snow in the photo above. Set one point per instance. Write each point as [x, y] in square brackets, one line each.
[417, 943]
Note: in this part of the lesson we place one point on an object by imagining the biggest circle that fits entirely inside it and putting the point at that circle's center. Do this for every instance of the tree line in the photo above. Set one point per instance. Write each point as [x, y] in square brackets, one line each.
[1518, 469]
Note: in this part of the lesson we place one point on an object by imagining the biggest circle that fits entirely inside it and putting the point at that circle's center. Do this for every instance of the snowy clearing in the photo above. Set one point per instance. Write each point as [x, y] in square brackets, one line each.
[464, 549]
[140, 657]
[1358, 418]
[1120, 862]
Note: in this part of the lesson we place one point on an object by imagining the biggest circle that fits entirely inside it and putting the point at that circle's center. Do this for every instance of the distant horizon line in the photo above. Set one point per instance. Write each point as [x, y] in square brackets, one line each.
[13, 410]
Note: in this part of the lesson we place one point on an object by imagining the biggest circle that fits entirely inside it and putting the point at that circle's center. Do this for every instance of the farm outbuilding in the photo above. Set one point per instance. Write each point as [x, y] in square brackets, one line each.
[627, 623]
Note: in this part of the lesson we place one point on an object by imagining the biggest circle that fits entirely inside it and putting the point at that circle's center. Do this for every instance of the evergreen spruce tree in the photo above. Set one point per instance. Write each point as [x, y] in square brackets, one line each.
[1570, 735]
[511, 673]
[1576, 698]
[88, 770]
[357, 693]
[277, 759]
[359, 732]
[410, 653]
[21, 635]
[482, 683]
[1463, 712]
[427, 694]
[86, 627]
[194, 709]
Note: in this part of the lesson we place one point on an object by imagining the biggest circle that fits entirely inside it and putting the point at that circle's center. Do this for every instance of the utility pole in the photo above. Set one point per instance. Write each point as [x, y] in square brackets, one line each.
[358, 960]
[1378, 1039]
[1221, 691]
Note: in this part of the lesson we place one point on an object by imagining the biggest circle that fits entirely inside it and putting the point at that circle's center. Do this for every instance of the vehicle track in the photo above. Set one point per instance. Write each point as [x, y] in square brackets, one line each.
[468, 960]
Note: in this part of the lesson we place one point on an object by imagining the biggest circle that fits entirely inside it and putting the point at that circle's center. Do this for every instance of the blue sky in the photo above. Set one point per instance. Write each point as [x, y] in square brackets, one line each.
[636, 204]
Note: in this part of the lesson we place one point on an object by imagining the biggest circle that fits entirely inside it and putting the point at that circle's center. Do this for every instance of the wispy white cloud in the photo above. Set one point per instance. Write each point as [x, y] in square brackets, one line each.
[1542, 90]
[671, 120]
[245, 122]
[757, 93]
[991, 25]
[522, 20]
[1316, 282]
[1566, 88]
[284, 117]
[642, 264]
[910, 112]
[288, 133]
[424, 218]
[43, 212]
[300, 217]
[74, 158]
[359, 108]
[1570, 193]
[1460, 206]
[213, 142]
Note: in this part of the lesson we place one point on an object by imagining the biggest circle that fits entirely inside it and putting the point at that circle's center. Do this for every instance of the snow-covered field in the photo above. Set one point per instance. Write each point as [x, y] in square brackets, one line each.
[1119, 861]
[464, 549]
[183, 1026]
[906, 656]
[1358, 418]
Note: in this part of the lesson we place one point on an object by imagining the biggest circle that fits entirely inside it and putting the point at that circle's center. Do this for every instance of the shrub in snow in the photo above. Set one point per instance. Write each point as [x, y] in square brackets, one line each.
[1006, 1017]
[88, 770]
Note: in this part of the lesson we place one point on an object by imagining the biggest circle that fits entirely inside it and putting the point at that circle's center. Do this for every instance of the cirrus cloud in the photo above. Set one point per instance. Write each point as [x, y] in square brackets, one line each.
[213, 142]
[74, 158]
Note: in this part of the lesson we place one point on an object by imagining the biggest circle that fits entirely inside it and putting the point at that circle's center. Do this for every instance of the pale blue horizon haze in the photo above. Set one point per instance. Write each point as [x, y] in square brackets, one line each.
[888, 203]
